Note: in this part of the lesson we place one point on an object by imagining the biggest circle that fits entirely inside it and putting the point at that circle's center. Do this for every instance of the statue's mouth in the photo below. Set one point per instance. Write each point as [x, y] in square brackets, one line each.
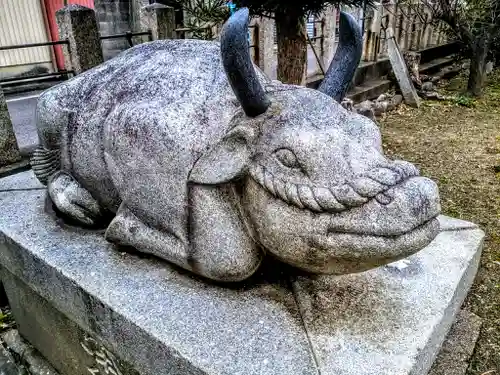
[426, 225]
[360, 245]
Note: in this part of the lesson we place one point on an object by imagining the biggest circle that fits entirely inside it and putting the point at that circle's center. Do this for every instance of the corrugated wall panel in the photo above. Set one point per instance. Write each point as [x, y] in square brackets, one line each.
[21, 22]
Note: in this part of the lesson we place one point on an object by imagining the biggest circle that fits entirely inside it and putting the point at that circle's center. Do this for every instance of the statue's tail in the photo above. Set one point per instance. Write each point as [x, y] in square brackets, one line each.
[52, 121]
[45, 163]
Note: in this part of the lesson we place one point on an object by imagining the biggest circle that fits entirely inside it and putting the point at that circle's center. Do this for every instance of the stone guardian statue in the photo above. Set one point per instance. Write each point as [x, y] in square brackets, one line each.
[185, 150]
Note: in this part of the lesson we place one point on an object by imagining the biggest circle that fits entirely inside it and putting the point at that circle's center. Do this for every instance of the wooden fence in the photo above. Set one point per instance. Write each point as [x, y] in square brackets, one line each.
[411, 24]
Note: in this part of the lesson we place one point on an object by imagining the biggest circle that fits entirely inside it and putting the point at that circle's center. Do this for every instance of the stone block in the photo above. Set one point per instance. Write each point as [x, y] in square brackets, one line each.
[391, 320]
[78, 25]
[397, 100]
[152, 318]
[9, 150]
[459, 345]
[401, 71]
[56, 337]
[20, 181]
[160, 20]
[26, 354]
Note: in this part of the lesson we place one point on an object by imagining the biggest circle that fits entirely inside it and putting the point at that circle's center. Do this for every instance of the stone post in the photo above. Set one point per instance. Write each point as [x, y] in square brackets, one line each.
[427, 29]
[9, 151]
[135, 12]
[403, 33]
[266, 46]
[388, 10]
[329, 24]
[78, 25]
[160, 19]
[401, 71]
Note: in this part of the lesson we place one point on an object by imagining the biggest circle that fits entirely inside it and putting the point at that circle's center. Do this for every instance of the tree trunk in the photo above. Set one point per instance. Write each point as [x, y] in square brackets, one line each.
[477, 71]
[292, 47]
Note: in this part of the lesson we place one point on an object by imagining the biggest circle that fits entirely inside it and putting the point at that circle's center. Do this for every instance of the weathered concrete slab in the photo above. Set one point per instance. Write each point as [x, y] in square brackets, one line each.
[144, 316]
[459, 345]
[450, 223]
[26, 354]
[390, 320]
[20, 181]
[150, 315]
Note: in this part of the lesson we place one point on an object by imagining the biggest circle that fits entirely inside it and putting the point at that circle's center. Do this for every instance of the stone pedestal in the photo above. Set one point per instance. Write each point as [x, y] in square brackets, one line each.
[78, 25]
[90, 308]
[9, 151]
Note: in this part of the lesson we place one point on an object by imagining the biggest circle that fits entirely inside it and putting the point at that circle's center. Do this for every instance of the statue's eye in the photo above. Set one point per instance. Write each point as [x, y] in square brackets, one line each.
[287, 158]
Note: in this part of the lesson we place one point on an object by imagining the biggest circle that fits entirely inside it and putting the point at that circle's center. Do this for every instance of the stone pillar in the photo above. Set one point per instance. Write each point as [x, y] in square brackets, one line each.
[427, 29]
[329, 25]
[403, 33]
[135, 11]
[116, 17]
[401, 71]
[78, 25]
[9, 151]
[266, 46]
[160, 19]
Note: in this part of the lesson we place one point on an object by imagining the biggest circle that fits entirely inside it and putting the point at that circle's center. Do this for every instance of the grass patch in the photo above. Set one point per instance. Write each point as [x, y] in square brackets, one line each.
[457, 143]
[6, 320]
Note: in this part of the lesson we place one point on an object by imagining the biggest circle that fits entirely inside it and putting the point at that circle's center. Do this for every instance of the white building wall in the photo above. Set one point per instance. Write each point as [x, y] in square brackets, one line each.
[22, 22]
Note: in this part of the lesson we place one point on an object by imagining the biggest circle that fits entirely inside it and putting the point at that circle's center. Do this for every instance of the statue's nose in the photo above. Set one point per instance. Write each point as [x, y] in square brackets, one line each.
[409, 205]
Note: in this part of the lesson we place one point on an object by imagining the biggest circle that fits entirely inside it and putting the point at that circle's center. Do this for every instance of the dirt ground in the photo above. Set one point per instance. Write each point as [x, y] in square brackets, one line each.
[457, 143]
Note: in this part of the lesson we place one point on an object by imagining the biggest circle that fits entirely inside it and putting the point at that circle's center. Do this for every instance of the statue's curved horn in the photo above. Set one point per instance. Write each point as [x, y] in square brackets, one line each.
[238, 65]
[346, 59]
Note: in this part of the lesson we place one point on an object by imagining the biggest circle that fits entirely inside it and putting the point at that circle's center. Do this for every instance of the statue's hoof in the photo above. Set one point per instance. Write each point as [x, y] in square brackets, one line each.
[72, 200]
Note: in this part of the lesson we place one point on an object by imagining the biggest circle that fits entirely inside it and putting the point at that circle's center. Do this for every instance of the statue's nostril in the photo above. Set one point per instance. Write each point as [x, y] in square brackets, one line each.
[385, 176]
[383, 198]
[405, 168]
[367, 187]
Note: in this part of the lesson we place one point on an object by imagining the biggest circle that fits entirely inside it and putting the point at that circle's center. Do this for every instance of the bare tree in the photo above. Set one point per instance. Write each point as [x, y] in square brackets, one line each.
[291, 34]
[475, 24]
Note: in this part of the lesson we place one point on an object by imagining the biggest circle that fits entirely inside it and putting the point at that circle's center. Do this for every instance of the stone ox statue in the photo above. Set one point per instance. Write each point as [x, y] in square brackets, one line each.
[185, 150]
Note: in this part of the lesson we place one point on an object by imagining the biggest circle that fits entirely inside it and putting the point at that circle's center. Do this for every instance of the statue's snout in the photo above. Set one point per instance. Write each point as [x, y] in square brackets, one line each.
[404, 208]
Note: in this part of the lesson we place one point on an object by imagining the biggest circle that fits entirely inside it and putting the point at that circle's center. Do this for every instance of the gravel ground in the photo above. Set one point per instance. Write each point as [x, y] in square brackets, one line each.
[457, 143]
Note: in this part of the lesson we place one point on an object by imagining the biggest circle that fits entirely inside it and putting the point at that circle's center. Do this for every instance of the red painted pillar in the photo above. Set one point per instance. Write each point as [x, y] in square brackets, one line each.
[51, 7]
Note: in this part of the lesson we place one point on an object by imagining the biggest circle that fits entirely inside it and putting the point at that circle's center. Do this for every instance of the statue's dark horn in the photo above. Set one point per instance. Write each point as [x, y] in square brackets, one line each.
[346, 59]
[238, 65]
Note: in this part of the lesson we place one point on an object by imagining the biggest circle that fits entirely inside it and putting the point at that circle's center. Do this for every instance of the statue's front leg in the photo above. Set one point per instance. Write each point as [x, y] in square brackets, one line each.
[126, 229]
[216, 250]
[73, 200]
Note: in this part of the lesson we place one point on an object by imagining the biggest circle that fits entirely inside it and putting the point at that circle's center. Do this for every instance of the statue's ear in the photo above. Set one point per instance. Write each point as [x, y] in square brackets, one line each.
[227, 160]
